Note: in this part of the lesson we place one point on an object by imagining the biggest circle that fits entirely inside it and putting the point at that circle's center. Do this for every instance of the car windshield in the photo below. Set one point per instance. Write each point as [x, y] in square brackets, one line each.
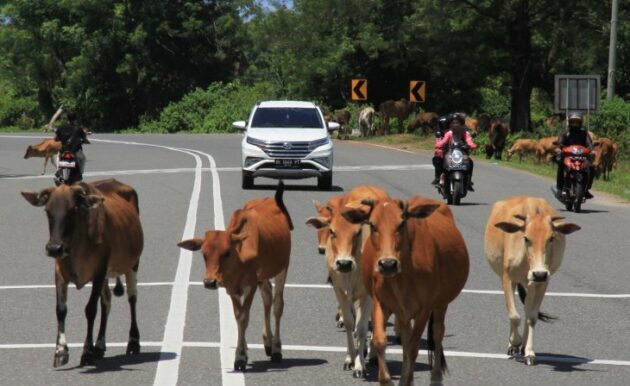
[286, 117]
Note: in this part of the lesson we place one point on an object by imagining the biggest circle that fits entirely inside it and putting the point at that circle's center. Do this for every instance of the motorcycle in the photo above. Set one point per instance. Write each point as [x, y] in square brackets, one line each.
[67, 169]
[453, 184]
[576, 164]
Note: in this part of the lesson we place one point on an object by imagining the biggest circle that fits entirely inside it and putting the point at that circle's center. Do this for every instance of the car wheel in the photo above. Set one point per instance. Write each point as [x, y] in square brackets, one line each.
[325, 181]
[247, 180]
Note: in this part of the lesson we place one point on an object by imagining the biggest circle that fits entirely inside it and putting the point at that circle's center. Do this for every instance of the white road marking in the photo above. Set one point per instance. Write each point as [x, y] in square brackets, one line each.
[390, 351]
[384, 147]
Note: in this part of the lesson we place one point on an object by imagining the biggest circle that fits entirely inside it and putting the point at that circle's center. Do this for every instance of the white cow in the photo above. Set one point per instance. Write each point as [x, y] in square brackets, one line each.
[366, 121]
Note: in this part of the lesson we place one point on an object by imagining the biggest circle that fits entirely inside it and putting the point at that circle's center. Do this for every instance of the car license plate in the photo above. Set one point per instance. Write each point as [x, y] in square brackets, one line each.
[287, 163]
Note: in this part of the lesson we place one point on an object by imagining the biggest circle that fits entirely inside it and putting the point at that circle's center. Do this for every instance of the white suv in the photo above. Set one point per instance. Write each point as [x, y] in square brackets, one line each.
[287, 139]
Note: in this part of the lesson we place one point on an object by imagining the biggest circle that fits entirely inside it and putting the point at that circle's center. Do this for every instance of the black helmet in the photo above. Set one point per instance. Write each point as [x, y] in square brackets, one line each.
[457, 117]
[443, 123]
[575, 115]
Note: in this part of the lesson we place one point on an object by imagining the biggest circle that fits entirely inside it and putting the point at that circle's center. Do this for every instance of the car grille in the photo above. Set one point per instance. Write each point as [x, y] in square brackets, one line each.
[287, 149]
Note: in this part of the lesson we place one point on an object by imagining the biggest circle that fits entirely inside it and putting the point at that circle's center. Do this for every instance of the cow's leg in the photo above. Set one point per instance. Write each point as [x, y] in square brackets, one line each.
[45, 163]
[131, 278]
[106, 301]
[363, 308]
[241, 313]
[535, 294]
[61, 351]
[379, 318]
[407, 332]
[515, 319]
[267, 298]
[90, 314]
[278, 310]
[439, 361]
[345, 303]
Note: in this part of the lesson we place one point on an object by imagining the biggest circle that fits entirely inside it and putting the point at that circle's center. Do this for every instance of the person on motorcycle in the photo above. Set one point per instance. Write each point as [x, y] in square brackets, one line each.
[72, 137]
[574, 135]
[438, 155]
[457, 129]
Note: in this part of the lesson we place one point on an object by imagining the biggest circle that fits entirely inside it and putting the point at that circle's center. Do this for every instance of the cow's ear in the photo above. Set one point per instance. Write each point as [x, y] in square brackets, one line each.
[419, 210]
[191, 244]
[246, 244]
[509, 227]
[93, 200]
[566, 228]
[356, 212]
[37, 199]
[318, 206]
[318, 222]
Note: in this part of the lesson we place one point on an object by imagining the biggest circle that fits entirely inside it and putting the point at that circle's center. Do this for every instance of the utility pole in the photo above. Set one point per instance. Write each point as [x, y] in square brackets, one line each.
[612, 51]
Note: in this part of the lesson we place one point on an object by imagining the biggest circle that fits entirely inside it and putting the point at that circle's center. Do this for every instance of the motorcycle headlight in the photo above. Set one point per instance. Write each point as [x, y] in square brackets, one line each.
[457, 156]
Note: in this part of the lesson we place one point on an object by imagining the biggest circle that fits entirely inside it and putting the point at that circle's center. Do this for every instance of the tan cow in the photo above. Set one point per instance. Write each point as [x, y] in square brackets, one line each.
[604, 151]
[253, 249]
[413, 265]
[524, 244]
[522, 147]
[472, 125]
[343, 260]
[104, 240]
[48, 149]
[428, 121]
[546, 149]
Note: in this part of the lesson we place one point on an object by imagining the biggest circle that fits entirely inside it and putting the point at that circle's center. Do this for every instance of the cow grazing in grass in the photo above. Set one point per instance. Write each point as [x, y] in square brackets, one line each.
[253, 249]
[343, 260]
[400, 109]
[95, 233]
[524, 244]
[47, 149]
[604, 150]
[414, 264]
[522, 147]
[427, 121]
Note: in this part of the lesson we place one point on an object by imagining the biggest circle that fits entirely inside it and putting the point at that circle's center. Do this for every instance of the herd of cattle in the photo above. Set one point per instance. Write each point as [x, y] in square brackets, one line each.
[385, 256]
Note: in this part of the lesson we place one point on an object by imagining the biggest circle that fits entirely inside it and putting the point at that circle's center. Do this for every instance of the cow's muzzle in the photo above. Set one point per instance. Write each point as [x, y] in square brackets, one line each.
[54, 249]
[210, 284]
[321, 250]
[539, 276]
[388, 267]
[344, 265]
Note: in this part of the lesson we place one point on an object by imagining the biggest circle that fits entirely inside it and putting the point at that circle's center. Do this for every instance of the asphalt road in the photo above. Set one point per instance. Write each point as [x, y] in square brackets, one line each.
[186, 329]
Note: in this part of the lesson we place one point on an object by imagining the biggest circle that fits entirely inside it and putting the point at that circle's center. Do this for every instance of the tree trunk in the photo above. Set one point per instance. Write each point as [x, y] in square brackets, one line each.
[522, 76]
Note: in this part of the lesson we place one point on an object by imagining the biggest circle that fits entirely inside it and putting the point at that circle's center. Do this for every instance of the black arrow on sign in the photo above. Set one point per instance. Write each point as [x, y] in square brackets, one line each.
[357, 89]
[415, 91]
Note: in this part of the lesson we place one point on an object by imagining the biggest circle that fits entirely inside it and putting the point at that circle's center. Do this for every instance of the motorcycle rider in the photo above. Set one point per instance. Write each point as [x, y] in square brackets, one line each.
[457, 129]
[72, 137]
[574, 135]
[438, 155]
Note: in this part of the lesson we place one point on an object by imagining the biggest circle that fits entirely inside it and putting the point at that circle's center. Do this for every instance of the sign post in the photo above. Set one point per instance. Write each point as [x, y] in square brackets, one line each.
[358, 89]
[576, 93]
[417, 91]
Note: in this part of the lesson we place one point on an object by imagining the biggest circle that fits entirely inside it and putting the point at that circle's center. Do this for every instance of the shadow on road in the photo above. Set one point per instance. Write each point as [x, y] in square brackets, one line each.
[562, 363]
[307, 188]
[287, 363]
[587, 211]
[471, 204]
[118, 362]
[17, 175]
[395, 368]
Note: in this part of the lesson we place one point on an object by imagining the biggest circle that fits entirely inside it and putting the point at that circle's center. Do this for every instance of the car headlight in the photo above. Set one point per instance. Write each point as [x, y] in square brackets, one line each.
[255, 142]
[320, 142]
[457, 156]
[324, 161]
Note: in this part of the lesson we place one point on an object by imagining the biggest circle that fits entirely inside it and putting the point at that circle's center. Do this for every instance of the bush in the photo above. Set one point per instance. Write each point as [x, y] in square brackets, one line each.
[16, 110]
[613, 121]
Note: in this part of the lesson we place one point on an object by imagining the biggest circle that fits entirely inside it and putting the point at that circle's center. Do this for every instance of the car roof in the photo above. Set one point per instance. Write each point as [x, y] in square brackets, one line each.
[294, 104]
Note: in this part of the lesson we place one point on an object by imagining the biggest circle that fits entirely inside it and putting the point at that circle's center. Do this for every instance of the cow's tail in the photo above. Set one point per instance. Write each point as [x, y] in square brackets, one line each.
[280, 203]
[543, 317]
[431, 348]
[119, 290]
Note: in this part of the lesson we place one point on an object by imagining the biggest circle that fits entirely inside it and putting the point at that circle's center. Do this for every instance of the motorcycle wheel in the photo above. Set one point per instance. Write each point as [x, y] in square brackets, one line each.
[579, 197]
[457, 192]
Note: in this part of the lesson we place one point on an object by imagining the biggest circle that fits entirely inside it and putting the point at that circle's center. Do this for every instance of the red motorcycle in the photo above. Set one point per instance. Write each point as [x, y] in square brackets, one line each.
[576, 164]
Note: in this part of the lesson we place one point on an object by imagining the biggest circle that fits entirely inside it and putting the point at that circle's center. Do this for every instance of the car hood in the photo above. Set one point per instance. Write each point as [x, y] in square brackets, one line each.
[287, 135]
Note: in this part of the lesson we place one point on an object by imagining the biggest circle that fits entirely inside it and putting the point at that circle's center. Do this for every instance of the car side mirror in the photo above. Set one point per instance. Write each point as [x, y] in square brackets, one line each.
[239, 125]
[332, 126]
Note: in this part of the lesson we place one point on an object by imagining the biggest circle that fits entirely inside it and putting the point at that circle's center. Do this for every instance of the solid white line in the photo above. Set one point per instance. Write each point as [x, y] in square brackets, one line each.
[384, 147]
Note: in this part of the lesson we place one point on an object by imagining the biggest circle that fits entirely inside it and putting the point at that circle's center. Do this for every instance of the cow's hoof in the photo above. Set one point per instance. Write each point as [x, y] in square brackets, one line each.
[347, 366]
[239, 365]
[61, 358]
[268, 350]
[133, 347]
[276, 357]
[358, 374]
[514, 351]
[87, 359]
[530, 360]
[98, 353]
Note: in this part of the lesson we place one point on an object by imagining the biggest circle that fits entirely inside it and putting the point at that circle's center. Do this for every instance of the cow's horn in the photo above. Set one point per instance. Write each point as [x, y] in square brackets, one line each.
[368, 201]
[520, 217]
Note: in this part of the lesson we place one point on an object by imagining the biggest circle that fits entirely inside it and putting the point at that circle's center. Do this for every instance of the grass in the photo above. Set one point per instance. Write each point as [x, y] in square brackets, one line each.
[618, 185]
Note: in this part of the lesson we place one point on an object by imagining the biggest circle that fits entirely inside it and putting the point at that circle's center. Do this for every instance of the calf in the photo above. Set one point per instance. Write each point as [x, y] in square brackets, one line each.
[546, 149]
[342, 117]
[95, 233]
[414, 264]
[472, 125]
[428, 121]
[604, 151]
[524, 244]
[253, 249]
[497, 133]
[522, 147]
[343, 252]
[47, 149]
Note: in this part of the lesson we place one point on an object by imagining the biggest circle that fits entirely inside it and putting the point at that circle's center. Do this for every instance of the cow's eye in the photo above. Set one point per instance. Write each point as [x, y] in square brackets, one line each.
[331, 233]
[373, 228]
[527, 241]
[551, 239]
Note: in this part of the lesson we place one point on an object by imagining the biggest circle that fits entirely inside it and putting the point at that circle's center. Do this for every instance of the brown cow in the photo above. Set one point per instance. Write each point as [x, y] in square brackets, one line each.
[47, 149]
[366, 121]
[343, 252]
[427, 121]
[400, 109]
[522, 147]
[342, 117]
[497, 133]
[95, 233]
[546, 149]
[614, 155]
[253, 249]
[524, 244]
[414, 264]
[472, 125]
[604, 151]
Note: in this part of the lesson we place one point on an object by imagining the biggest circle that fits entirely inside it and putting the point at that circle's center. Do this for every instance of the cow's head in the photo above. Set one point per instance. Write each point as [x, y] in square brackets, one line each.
[539, 234]
[343, 239]
[387, 220]
[223, 249]
[70, 210]
[29, 152]
[323, 212]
